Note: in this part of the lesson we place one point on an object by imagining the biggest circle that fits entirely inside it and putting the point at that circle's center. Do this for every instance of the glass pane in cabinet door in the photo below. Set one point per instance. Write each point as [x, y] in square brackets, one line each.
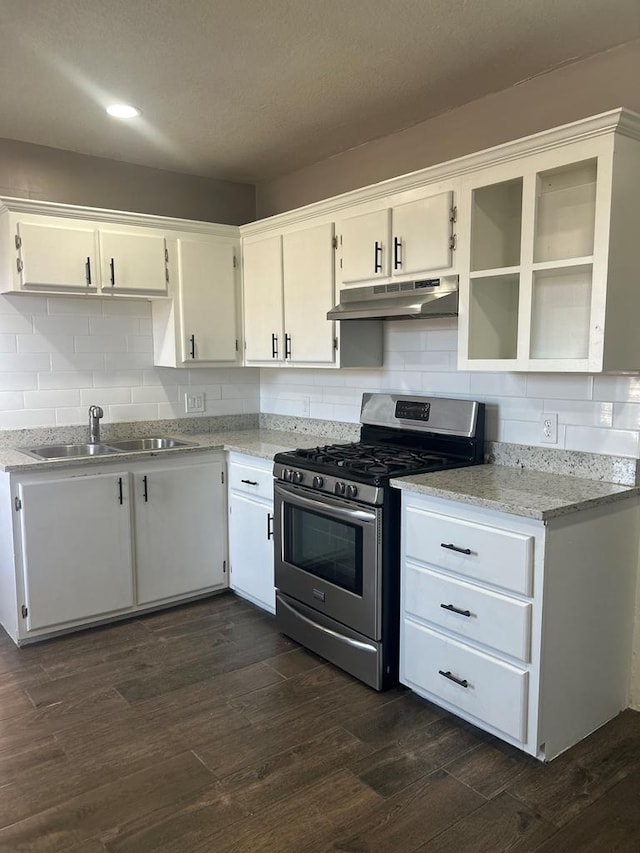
[493, 316]
[496, 225]
[561, 313]
[565, 212]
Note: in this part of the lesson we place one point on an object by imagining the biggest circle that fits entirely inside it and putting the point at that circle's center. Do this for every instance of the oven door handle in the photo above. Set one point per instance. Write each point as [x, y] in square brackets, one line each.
[358, 644]
[326, 504]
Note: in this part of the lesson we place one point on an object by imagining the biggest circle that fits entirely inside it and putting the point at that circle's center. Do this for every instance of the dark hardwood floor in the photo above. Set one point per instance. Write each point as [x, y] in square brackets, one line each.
[201, 728]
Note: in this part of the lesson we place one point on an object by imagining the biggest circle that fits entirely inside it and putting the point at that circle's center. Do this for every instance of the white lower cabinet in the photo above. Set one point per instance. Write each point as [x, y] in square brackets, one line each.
[251, 529]
[81, 546]
[522, 627]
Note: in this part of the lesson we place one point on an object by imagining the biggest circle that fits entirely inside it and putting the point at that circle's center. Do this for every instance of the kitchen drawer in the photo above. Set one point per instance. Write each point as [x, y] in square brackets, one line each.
[496, 692]
[251, 479]
[495, 620]
[488, 554]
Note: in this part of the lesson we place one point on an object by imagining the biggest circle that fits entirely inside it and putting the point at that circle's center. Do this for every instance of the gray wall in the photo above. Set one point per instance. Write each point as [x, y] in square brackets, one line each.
[602, 82]
[48, 174]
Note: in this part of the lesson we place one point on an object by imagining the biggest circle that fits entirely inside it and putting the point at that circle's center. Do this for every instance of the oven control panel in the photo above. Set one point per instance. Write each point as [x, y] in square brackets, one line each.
[326, 484]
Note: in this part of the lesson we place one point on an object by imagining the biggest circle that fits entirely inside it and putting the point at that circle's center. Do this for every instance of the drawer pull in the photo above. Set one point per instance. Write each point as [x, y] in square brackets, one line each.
[250, 482]
[455, 609]
[461, 681]
[451, 547]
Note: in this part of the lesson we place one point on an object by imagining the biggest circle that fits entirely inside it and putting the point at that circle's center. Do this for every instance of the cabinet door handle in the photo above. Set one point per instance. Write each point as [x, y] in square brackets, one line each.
[287, 346]
[250, 482]
[455, 609]
[274, 345]
[192, 341]
[120, 491]
[451, 547]
[377, 257]
[269, 526]
[112, 267]
[461, 681]
[145, 489]
[87, 271]
[397, 260]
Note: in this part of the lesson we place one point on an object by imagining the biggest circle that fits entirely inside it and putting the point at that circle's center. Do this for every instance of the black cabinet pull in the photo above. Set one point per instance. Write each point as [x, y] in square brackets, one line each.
[87, 271]
[287, 346]
[397, 260]
[377, 257]
[269, 526]
[250, 482]
[274, 345]
[192, 341]
[461, 681]
[455, 548]
[455, 609]
[120, 491]
[145, 491]
[112, 266]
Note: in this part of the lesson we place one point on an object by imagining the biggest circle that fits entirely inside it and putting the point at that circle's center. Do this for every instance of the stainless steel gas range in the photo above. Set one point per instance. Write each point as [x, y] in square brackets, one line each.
[337, 527]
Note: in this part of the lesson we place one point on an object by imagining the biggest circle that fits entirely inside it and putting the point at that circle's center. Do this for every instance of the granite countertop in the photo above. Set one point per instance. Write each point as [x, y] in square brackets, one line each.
[532, 494]
[264, 443]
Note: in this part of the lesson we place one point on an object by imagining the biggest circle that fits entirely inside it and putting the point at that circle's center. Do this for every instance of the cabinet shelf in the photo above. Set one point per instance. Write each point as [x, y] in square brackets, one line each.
[496, 272]
[565, 212]
[558, 294]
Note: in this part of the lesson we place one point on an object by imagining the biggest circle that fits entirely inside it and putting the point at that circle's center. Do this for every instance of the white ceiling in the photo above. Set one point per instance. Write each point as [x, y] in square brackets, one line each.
[251, 89]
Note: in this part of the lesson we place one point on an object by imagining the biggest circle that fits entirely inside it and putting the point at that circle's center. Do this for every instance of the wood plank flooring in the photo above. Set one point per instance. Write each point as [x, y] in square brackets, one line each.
[201, 728]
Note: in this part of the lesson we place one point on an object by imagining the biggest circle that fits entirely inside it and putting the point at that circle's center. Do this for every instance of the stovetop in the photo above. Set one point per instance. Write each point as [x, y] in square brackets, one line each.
[360, 459]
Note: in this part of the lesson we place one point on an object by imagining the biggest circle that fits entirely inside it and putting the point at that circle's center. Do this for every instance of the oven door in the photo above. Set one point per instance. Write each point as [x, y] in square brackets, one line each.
[328, 556]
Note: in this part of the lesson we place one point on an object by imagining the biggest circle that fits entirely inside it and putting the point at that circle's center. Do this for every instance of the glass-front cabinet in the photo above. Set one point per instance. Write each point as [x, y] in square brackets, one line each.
[548, 276]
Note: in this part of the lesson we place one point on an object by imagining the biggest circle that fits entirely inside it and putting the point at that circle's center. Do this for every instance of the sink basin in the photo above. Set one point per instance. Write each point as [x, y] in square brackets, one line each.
[163, 443]
[68, 451]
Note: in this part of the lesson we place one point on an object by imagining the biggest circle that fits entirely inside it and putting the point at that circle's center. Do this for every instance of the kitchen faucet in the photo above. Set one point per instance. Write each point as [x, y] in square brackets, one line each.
[95, 413]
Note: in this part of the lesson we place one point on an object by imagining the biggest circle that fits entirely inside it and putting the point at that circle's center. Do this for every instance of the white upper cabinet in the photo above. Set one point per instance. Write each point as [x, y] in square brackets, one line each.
[288, 290]
[56, 254]
[200, 326]
[410, 238]
[133, 261]
[548, 266]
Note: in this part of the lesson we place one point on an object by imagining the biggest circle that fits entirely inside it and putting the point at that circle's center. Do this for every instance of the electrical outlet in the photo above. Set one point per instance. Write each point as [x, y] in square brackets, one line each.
[194, 401]
[306, 405]
[549, 423]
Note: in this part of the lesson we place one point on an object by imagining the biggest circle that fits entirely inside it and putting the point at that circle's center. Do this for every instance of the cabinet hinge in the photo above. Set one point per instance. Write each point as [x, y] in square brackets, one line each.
[166, 255]
[340, 263]
[453, 214]
[237, 347]
[19, 264]
[335, 343]
[166, 274]
[222, 477]
[18, 241]
[224, 567]
[18, 504]
[24, 611]
[453, 242]
[235, 262]
[334, 242]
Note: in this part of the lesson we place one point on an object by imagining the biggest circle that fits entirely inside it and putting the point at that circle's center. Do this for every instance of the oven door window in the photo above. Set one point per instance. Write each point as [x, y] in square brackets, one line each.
[324, 547]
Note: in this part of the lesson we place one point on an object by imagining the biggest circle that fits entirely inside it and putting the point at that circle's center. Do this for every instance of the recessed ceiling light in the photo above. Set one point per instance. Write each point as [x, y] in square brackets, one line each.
[123, 111]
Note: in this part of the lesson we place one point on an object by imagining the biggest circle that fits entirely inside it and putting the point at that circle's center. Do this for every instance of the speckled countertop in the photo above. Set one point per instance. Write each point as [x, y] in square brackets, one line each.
[533, 494]
[264, 443]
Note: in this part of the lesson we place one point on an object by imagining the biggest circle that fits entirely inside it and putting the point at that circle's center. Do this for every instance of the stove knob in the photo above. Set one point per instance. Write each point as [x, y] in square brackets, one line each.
[339, 488]
[352, 491]
[287, 474]
[298, 476]
[317, 482]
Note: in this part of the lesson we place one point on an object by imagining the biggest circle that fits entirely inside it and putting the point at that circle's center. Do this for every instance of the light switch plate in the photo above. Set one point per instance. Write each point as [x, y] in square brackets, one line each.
[194, 401]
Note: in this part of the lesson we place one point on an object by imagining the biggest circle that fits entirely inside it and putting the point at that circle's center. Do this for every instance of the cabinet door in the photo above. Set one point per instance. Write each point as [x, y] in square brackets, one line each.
[76, 548]
[308, 294]
[365, 247]
[132, 261]
[56, 256]
[251, 549]
[208, 307]
[263, 320]
[178, 530]
[422, 235]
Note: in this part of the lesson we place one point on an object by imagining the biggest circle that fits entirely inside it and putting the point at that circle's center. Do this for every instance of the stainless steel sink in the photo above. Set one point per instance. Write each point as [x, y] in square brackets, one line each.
[163, 443]
[68, 451]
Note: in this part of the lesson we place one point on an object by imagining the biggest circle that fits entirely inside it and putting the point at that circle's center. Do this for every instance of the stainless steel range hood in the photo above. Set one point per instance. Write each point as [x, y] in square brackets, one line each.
[432, 297]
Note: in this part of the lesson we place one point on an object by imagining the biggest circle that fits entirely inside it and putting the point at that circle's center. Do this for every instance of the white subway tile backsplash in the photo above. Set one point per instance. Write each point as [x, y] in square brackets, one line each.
[559, 386]
[8, 343]
[617, 442]
[126, 308]
[132, 412]
[21, 362]
[22, 304]
[525, 432]
[626, 415]
[18, 381]
[45, 343]
[117, 379]
[581, 413]
[61, 325]
[101, 343]
[105, 396]
[140, 343]
[11, 400]
[128, 360]
[153, 394]
[428, 361]
[51, 399]
[15, 324]
[498, 384]
[113, 326]
[454, 384]
[68, 416]
[27, 418]
[65, 379]
[76, 362]
[618, 389]
[74, 306]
